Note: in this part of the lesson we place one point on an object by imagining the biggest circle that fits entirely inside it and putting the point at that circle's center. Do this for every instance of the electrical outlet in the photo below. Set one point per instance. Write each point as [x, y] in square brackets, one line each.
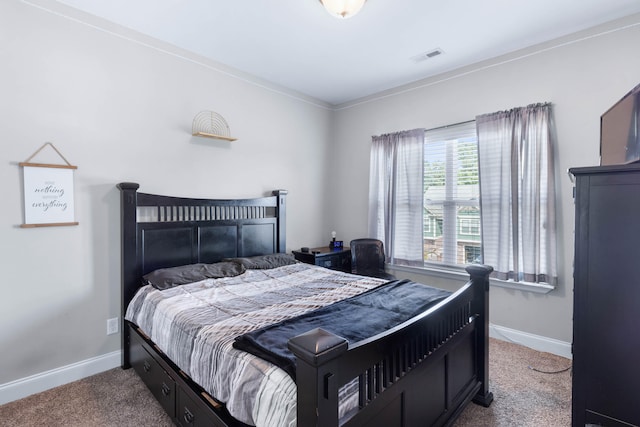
[112, 326]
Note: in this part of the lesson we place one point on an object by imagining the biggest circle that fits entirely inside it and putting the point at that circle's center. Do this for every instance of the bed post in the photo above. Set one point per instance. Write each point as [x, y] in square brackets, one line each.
[130, 266]
[317, 402]
[480, 277]
[281, 214]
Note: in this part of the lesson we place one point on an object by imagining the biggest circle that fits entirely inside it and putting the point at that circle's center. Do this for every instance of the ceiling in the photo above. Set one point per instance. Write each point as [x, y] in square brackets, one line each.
[298, 45]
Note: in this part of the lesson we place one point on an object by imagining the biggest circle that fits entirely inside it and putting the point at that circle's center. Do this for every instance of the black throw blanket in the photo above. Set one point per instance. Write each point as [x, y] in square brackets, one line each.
[354, 319]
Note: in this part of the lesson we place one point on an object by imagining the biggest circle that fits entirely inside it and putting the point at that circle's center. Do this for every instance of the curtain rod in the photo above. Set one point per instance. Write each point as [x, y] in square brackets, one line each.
[451, 125]
[433, 129]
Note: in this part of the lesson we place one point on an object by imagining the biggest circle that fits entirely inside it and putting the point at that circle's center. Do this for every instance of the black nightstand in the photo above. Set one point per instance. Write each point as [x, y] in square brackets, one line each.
[335, 259]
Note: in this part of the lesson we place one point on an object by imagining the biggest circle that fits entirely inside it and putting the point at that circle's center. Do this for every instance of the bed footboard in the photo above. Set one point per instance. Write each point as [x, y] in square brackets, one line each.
[423, 372]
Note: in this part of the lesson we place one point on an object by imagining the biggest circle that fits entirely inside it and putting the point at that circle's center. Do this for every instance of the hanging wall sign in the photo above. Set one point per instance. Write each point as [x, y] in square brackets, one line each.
[48, 193]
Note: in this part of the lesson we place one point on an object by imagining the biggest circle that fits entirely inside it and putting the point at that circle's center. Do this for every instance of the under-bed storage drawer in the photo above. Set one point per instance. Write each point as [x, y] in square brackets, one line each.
[157, 380]
[192, 412]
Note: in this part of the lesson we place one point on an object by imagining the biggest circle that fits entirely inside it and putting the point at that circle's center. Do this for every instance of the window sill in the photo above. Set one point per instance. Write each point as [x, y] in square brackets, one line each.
[457, 274]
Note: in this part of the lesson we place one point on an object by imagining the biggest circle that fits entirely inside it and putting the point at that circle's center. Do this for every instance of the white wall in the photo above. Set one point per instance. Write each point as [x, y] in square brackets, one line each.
[120, 107]
[582, 75]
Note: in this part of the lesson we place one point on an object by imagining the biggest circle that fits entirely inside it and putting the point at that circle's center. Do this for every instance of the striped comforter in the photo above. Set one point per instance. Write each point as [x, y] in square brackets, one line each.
[195, 325]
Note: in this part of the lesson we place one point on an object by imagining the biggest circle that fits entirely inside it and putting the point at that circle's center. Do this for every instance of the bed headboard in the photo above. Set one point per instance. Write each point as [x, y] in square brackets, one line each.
[164, 231]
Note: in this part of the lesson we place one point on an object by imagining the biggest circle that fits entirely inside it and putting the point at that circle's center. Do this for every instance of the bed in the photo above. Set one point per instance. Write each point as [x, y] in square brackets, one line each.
[423, 371]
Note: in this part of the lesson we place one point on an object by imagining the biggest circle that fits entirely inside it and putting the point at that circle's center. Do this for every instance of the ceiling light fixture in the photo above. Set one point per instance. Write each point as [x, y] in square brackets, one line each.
[343, 8]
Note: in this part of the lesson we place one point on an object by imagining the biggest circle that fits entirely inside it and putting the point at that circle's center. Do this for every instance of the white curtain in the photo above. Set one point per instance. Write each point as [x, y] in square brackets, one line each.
[395, 194]
[517, 193]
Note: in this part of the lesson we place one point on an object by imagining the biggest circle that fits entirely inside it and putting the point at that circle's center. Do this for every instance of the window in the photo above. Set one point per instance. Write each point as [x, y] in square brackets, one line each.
[469, 226]
[473, 254]
[424, 195]
[452, 234]
[428, 225]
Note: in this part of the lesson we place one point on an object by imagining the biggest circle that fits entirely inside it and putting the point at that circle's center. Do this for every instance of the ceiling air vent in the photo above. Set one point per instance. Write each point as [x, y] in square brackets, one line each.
[427, 55]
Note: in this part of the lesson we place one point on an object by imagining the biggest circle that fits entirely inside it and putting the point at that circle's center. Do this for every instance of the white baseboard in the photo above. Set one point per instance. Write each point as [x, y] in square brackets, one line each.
[44, 381]
[37, 383]
[536, 342]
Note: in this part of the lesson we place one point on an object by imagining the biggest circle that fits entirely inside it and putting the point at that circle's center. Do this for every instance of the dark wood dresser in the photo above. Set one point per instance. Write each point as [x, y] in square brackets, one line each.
[335, 259]
[606, 312]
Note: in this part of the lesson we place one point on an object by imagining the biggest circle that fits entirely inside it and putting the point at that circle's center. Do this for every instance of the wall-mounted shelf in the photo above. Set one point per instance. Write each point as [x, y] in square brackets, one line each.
[214, 136]
[209, 124]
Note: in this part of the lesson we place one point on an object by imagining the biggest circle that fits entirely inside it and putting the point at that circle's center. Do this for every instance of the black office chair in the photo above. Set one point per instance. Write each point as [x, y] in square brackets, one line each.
[367, 258]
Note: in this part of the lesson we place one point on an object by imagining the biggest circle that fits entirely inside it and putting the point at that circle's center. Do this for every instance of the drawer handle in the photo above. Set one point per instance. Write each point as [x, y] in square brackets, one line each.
[146, 366]
[166, 390]
[188, 416]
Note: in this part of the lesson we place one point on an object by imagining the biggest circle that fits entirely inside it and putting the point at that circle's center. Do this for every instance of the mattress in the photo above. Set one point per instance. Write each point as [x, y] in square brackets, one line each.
[195, 326]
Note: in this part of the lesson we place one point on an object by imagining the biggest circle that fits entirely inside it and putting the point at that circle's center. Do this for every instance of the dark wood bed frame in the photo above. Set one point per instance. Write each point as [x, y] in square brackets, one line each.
[422, 372]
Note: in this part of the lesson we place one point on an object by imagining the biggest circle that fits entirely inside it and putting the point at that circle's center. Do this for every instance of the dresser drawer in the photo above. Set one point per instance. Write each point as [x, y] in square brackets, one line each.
[161, 385]
[192, 412]
[335, 259]
[340, 261]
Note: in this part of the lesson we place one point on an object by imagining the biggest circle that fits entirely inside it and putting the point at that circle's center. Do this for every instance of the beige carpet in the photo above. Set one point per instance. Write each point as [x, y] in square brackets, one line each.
[523, 397]
[115, 398]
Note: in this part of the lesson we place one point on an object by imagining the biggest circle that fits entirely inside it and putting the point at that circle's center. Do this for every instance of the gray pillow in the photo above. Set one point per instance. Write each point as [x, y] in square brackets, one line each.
[166, 278]
[263, 262]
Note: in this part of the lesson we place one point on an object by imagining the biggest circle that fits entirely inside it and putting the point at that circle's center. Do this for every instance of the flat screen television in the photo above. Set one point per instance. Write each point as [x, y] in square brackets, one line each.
[620, 131]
